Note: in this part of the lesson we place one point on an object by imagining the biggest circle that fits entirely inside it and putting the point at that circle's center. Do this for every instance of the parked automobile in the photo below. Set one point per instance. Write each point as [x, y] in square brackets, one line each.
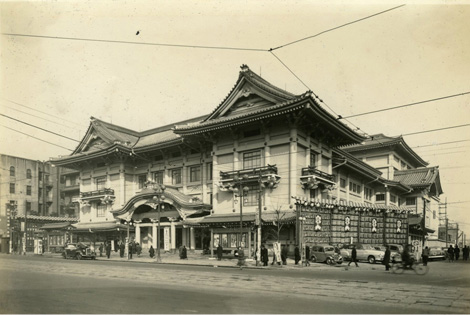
[325, 253]
[79, 251]
[365, 252]
[436, 253]
[395, 252]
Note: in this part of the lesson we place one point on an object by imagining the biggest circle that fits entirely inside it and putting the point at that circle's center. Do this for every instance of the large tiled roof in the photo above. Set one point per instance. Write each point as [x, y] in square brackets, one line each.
[417, 177]
[46, 218]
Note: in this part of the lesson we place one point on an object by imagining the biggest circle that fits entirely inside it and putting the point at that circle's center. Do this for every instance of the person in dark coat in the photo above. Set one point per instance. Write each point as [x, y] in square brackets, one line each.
[386, 260]
[122, 247]
[284, 252]
[457, 252]
[220, 252]
[307, 256]
[151, 252]
[108, 249]
[425, 255]
[130, 249]
[264, 255]
[465, 253]
[101, 250]
[241, 257]
[138, 249]
[353, 256]
[297, 255]
[184, 254]
[450, 252]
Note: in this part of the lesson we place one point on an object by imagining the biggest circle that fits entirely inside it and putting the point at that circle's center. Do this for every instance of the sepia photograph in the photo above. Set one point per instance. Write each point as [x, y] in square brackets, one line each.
[234, 157]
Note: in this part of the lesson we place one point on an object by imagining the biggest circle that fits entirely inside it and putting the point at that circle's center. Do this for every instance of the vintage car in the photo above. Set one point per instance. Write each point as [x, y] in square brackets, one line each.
[325, 253]
[365, 252]
[436, 253]
[396, 251]
[79, 251]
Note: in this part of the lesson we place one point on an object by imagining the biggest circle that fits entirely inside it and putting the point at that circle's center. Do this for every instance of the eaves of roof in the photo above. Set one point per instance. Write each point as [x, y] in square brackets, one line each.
[47, 218]
[358, 165]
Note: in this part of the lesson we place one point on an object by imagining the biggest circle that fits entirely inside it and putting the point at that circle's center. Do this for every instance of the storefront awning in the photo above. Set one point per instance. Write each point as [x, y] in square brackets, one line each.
[56, 226]
[101, 227]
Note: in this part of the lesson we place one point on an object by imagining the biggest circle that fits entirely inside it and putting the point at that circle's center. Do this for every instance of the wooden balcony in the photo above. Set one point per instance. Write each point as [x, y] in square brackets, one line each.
[312, 179]
[267, 175]
[105, 195]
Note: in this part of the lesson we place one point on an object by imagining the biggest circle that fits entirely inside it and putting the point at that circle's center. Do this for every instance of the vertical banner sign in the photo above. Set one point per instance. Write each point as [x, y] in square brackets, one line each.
[166, 239]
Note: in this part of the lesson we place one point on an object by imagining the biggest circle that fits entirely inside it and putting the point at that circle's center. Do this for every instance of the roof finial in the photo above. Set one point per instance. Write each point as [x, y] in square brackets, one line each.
[244, 68]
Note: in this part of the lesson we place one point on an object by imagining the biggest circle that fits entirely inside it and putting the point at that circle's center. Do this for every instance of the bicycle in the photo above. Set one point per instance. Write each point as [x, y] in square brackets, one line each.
[418, 268]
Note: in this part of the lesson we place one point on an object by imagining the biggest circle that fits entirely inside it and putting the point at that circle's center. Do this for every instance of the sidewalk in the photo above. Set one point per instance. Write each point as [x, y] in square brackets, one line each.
[206, 260]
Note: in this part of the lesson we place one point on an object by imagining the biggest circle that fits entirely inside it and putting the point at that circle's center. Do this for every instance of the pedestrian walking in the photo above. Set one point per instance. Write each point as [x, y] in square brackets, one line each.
[307, 255]
[122, 247]
[296, 255]
[220, 252]
[184, 254]
[101, 250]
[353, 256]
[284, 252]
[457, 252]
[108, 249]
[450, 253]
[241, 257]
[386, 260]
[264, 255]
[465, 253]
[151, 252]
[130, 249]
[425, 255]
[138, 249]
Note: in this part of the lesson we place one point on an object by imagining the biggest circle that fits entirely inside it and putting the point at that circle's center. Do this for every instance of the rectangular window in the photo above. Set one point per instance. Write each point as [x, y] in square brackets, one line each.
[176, 154]
[28, 190]
[411, 201]
[251, 196]
[367, 193]
[101, 210]
[251, 159]
[176, 176]
[28, 206]
[194, 173]
[354, 188]
[393, 198]
[313, 159]
[342, 183]
[12, 188]
[251, 133]
[100, 182]
[380, 197]
[158, 157]
[158, 177]
[209, 171]
[434, 214]
[142, 181]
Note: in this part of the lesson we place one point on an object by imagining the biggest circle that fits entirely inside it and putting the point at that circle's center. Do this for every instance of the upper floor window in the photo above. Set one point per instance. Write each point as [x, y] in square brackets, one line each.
[142, 180]
[101, 210]
[252, 159]
[434, 214]
[342, 183]
[12, 171]
[313, 159]
[28, 174]
[194, 173]
[209, 171]
[251, 196]
[100, 182]
[393, 198]
[367, 193]
[380, 197]
[12, 188]
[411, 201]
[175, 154]
[28, 190]
[176, 176]
[158, 157]
[28, 206]
[354, 188]
[158, 177]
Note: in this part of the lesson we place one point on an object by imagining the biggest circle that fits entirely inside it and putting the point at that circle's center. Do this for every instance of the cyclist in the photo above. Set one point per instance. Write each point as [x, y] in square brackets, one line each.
[406, 257]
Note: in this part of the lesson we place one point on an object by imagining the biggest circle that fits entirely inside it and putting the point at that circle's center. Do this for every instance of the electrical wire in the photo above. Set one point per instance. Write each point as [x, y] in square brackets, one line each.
[406, 105]
[337, 27]
[442, 143]
[136, 43]
[432, 130]
[36, 138]
[31, 125]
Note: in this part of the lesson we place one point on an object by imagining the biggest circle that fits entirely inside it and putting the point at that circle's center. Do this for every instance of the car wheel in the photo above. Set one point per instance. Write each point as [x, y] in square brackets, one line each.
[329, 261]
[371, 259]
[314, 259]
[79, 257]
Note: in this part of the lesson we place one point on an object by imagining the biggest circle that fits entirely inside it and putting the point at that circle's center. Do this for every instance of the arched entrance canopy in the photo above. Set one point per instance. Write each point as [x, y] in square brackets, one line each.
[176, 203]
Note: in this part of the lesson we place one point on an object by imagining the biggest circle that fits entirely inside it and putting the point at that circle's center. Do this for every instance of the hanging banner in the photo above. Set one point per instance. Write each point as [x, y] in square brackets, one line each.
[166, 238]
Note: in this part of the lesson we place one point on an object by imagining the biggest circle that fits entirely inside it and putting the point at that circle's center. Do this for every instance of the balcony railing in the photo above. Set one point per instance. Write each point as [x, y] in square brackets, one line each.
[266, 174]
[312, 179]
[105, 195]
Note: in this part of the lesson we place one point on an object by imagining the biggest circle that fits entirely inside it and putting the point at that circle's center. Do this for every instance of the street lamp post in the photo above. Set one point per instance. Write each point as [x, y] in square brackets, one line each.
[129, 223]
[241, 193]
[159, 198]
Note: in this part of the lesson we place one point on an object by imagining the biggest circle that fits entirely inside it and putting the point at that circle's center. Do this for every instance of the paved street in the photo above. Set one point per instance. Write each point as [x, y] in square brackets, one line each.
[36, 284]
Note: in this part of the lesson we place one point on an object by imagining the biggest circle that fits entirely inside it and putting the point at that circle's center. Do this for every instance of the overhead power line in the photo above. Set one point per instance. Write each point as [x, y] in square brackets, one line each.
[135, 43]
[432, 130]
[36, 138]
[337, 27]
[406, 105]
[442, 143]
[31, 125]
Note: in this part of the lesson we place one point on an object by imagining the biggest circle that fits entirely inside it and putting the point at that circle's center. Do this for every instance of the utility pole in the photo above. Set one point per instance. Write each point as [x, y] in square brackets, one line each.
[260, 204]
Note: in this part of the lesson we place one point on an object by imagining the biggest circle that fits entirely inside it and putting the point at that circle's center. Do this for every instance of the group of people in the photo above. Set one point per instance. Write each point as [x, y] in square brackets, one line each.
[134, 248]
[453, 253]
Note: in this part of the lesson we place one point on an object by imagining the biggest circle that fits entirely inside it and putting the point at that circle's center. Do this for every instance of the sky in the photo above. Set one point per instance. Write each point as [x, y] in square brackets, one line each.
[412, 53]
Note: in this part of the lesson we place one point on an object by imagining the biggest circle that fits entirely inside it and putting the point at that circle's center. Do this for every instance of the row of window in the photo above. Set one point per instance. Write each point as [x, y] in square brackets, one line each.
[28, 173]
[176, 175]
